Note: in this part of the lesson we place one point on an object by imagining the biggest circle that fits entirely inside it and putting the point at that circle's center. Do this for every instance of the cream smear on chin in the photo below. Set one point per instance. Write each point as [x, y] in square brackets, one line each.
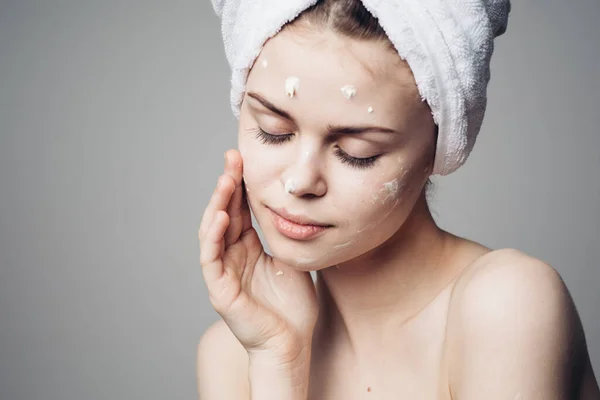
[346, 244]
[306, 261]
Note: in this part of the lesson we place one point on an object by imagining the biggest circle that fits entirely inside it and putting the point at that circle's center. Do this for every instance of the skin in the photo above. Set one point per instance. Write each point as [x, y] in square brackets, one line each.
[379, 198]
[401, 308]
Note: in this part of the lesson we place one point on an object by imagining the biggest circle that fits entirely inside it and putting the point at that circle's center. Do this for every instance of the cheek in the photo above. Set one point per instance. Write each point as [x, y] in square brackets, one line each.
[372, 213]
[254, 171]
[260, 166]
[374, 197]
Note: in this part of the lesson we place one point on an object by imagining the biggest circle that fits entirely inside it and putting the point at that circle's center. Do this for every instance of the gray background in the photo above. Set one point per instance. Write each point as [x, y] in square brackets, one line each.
[114, 117]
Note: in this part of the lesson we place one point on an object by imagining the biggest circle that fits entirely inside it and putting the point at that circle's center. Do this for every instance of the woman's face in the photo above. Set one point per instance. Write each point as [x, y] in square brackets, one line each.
[314, 159]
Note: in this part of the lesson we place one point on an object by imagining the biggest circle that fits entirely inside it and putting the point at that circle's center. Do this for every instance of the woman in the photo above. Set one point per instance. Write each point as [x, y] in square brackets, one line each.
[336, 146]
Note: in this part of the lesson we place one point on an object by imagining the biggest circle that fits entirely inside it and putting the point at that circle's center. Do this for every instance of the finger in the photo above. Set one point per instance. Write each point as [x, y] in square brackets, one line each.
[211, 248]
[247, 217]
[218, 201]
[233, 168]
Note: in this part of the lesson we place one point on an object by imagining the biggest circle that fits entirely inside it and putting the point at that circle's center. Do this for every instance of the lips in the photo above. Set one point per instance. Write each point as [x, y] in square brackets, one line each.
[297, 227]
[298, 219]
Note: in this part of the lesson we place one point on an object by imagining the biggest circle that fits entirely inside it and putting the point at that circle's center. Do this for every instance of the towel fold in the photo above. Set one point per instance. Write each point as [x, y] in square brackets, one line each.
[447, 44]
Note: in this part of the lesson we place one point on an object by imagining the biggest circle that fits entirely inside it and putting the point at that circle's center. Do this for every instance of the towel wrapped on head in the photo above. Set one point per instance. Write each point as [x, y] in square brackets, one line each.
[447, 44]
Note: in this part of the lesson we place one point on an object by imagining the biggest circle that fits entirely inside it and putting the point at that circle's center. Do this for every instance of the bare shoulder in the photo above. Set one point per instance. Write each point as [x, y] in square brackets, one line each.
[502, 287]
[506, 272]
[222, 365]
[513, 330]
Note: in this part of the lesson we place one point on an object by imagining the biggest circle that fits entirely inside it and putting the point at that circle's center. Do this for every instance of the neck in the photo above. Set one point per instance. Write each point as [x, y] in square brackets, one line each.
[387, 286]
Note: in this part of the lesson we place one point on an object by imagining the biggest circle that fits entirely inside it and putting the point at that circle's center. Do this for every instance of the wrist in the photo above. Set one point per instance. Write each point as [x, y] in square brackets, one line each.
[281, 376]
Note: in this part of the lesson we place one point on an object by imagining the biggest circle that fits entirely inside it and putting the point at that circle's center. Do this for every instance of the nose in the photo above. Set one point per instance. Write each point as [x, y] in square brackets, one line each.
[304, 176]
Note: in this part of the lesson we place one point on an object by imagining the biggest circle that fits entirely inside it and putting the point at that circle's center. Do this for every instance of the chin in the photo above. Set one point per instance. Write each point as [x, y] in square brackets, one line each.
[299, 259]
[300, 262]
[305, 259]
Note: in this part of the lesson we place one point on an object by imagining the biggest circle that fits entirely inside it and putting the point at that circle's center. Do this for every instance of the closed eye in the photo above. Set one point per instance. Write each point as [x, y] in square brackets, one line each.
[269, 138]
[345, 158]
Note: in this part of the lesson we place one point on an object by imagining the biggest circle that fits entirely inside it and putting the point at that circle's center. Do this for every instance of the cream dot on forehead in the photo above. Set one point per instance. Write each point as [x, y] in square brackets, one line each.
[348, 91]
[292, 85]
[265, 63]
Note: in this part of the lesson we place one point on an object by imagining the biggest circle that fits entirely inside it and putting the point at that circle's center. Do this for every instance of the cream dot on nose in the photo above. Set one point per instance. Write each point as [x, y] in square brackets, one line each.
[289, 186]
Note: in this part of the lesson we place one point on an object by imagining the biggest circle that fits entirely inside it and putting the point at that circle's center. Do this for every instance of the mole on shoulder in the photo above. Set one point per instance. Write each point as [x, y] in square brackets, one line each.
[369, 389]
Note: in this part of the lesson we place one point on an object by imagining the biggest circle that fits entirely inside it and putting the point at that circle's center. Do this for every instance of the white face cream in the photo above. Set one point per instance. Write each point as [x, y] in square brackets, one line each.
[370, 110]
[289, 186]
[291, 86]
[391, 188]
[265, 63]
[348, 91]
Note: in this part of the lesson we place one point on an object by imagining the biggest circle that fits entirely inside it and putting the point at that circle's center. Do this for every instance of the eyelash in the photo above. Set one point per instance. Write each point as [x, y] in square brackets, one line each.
[360, 163]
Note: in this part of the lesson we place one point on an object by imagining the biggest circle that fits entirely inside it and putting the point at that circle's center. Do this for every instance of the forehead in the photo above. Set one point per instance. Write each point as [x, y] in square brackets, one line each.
[325, 61]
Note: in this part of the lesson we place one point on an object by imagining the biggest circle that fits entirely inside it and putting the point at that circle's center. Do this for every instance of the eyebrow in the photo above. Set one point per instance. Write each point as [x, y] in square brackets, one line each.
[331, 129]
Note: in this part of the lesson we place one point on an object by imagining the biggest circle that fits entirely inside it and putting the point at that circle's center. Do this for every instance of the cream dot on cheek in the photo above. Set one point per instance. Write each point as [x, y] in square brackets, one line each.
[391, 187]
[389, 190]
[374, 198]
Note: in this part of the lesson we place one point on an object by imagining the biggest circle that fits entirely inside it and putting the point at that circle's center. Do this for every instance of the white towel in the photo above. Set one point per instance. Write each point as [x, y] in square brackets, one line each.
[447, 44]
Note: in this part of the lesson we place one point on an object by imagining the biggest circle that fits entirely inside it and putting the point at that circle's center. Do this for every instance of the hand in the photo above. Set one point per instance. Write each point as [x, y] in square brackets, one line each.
[270, 307]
